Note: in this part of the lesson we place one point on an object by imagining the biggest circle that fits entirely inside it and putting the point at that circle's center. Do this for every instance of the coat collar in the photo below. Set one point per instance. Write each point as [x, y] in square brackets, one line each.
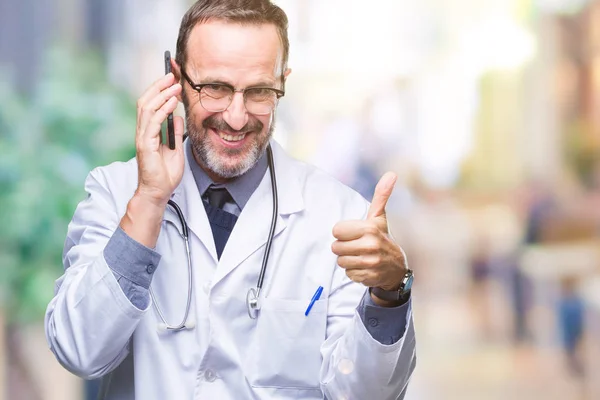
[256, 215]
[240, 188]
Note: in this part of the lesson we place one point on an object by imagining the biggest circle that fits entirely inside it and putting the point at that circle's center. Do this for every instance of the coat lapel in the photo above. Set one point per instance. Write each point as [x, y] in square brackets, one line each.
[188, 199]
[252, 228]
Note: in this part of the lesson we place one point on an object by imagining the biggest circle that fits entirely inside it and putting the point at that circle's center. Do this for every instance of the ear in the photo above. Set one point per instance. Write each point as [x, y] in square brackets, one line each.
[176, 69]
[287, 73]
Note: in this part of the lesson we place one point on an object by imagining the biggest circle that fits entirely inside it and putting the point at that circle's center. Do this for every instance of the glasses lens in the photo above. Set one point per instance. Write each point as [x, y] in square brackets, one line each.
[260, 101]
[215, 97]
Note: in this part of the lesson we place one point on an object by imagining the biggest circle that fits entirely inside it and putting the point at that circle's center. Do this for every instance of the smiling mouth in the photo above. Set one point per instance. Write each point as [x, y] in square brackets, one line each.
[229, 137]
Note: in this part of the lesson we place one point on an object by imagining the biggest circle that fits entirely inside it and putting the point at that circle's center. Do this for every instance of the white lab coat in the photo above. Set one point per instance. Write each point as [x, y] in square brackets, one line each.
[95, 331]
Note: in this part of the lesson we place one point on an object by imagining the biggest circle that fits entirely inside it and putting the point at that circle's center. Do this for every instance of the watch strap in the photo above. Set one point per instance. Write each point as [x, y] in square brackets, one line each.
[402, 293]
[388, 295]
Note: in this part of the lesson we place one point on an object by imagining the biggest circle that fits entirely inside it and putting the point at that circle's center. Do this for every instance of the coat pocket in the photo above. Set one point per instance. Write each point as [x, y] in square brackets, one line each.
[285, 347]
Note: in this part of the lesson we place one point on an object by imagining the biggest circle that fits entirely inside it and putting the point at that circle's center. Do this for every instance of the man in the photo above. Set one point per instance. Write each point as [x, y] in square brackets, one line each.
[125, 279]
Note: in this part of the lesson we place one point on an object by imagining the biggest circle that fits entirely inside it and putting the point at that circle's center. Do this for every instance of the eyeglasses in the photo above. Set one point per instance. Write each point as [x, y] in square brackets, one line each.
[217, 97]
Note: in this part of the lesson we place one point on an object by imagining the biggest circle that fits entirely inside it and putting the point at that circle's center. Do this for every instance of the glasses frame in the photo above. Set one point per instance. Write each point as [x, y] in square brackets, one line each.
[198, 88]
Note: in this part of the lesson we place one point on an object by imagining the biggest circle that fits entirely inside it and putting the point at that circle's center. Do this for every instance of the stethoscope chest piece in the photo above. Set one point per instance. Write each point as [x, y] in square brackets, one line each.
[252, 303]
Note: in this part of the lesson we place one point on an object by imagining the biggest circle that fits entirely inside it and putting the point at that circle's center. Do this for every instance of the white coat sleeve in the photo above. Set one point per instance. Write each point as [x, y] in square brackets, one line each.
[89, 321]
[355, 365]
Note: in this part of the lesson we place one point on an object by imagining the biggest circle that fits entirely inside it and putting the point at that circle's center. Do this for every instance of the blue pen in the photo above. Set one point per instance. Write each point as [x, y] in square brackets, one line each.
[314, 299]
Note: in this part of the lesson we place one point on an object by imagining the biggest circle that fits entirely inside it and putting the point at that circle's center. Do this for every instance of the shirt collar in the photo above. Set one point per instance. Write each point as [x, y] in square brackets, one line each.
[240, 188]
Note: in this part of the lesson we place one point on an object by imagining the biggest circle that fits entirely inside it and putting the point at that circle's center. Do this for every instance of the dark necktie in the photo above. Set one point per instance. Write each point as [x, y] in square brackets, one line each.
[221, 222]
[217, 197]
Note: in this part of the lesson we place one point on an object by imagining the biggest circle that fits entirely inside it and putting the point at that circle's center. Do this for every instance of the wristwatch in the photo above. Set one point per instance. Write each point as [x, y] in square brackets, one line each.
[396, 295]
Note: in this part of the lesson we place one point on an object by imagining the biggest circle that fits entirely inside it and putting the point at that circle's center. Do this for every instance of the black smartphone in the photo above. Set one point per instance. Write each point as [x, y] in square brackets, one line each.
[170, 129]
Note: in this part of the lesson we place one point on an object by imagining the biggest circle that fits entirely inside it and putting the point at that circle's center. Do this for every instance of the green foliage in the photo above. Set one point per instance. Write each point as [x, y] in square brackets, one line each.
[48, 144]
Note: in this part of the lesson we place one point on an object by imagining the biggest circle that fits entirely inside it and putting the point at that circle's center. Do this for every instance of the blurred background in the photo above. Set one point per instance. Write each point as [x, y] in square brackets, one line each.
[489, 112]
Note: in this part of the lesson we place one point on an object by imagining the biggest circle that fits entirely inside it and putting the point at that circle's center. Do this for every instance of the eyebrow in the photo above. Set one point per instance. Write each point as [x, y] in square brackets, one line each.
[210, 79]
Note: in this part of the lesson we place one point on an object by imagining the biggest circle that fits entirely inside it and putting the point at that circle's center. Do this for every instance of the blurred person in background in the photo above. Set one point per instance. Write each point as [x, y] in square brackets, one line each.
[570, 310]
[480, 273]
[125, 261]
[539, 206]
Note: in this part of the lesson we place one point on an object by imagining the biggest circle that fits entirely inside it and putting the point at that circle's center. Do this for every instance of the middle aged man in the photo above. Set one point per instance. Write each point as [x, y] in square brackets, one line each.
[333, 317]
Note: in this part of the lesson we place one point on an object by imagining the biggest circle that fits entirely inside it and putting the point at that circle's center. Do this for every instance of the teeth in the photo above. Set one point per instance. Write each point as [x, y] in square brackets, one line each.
[231, 138]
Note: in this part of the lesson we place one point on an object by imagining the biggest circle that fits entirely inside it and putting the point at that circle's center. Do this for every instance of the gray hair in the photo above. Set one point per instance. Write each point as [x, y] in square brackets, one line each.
[237, 11]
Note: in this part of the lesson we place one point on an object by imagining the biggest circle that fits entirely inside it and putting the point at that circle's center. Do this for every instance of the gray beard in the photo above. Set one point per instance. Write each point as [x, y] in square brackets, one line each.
[210, 158]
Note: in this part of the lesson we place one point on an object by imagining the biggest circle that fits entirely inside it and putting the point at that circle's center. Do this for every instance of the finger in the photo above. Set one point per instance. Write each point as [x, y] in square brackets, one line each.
[366, 277]
[383, 191]
[364, 245]
[155, 103]
[153, 129]
[368, 261]
[351, 230]
[158, 86]
[350, 262]
[356, 275]
[162, 97]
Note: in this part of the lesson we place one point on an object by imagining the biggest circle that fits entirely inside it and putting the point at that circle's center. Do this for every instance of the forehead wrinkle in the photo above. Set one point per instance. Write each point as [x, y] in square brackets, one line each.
[252, 75]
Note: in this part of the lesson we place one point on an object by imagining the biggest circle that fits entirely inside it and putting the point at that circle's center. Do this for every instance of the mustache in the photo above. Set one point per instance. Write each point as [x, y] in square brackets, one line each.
[218, 123]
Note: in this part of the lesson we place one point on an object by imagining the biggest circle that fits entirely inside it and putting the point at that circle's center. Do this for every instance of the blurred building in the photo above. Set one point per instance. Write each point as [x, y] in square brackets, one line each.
[131, 35]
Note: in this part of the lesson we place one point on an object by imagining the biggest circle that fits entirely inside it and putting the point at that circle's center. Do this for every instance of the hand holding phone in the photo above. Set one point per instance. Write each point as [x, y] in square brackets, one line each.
[170, 129]
[160, 164]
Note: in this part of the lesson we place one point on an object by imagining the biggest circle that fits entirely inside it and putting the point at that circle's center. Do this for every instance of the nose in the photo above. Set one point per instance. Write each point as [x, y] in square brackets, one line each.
[236, 114]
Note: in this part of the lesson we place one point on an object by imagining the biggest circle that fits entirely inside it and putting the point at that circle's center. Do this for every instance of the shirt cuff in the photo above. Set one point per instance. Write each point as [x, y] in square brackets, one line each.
[385, 324]
[133, 265]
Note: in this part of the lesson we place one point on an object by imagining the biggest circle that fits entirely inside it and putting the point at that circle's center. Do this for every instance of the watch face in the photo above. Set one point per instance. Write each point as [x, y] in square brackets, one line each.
[408, 284]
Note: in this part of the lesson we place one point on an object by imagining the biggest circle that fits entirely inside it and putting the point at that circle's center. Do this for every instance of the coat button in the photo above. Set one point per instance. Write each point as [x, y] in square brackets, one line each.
[346, 366]
[151, 268]
[373, 322]
[209, 375]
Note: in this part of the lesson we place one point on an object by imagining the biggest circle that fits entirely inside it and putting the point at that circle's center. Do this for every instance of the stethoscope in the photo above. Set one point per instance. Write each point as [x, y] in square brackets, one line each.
[252, 298]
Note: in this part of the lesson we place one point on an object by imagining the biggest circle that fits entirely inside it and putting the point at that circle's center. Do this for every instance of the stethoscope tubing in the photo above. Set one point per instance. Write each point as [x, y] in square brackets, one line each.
[185, 236]
[263, 268]
[251, 303]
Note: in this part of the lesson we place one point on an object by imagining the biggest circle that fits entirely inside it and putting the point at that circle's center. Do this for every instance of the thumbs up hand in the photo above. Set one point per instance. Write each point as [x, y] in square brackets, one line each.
[365, 248]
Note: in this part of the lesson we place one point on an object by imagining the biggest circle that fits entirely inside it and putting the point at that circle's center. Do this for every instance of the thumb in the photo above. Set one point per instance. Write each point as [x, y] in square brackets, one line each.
[383, 191]
[178, 128]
